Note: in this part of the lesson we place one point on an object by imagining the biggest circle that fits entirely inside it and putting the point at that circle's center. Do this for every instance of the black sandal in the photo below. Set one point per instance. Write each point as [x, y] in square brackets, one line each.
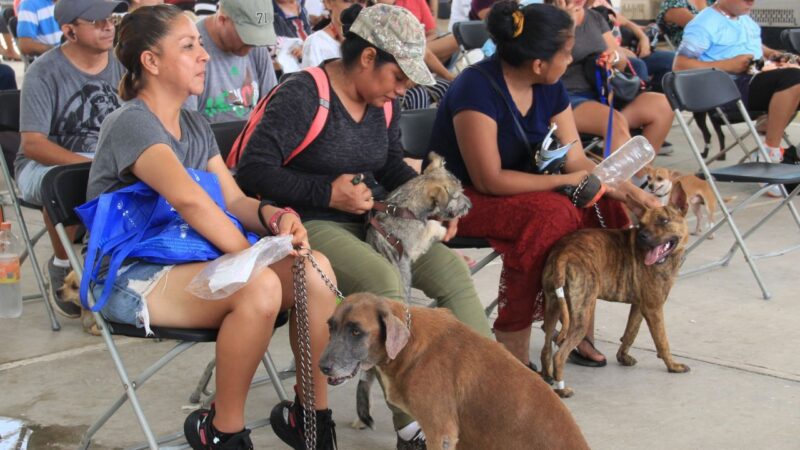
[575, 357]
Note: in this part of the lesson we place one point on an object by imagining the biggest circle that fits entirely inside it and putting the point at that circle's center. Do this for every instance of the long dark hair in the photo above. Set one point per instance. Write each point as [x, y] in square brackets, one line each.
[139, 31]
[545, 30]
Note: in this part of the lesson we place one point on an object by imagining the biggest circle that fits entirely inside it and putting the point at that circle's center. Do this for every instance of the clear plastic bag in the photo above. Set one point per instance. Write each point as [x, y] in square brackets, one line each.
[228, 273]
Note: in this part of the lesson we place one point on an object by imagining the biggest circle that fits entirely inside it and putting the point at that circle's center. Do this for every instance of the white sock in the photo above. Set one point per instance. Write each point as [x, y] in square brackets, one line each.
[774, 153]
[409, 431]
[60, 262]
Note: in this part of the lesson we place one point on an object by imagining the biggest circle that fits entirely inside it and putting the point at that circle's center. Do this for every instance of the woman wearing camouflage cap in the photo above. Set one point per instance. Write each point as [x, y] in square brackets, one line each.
[382, 55]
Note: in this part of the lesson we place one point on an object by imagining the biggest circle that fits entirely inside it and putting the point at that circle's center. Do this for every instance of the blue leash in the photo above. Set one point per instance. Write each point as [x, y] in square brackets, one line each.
[606, 97]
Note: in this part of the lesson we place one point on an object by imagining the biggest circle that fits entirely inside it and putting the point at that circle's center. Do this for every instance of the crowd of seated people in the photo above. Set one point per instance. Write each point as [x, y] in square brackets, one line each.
[141, 110]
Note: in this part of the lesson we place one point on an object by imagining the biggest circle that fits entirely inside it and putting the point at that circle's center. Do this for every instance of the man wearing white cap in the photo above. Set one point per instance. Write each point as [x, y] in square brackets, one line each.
[239, 70]
[67, 93]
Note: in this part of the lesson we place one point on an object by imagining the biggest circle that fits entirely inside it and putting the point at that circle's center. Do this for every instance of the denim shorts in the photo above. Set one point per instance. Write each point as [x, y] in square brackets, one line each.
[127, 304]
[577, 98]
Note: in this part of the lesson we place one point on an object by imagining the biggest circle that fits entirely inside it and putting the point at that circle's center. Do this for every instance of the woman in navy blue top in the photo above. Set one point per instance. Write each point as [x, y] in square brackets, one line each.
[518, 211]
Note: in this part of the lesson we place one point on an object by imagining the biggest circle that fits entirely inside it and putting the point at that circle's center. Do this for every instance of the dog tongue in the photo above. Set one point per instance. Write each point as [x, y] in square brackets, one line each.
[655, 254]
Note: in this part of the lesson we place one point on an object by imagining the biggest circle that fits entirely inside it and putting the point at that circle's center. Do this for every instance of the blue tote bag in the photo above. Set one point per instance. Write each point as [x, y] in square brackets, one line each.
[137, 222]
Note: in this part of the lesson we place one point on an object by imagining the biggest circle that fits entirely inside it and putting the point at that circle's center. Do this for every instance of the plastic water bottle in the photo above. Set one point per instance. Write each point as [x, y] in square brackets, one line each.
[626, 161]
[10, 286]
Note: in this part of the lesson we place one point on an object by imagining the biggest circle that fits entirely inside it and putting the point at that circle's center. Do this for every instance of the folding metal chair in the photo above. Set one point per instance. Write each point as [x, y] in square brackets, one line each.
[707, 89]
[9, 121]
[791, 39]
[64, 189]
[470, 35]
[416, 127]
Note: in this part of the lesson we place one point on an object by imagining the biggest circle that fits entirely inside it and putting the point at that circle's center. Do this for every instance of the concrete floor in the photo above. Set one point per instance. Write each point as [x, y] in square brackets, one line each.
[743, 390]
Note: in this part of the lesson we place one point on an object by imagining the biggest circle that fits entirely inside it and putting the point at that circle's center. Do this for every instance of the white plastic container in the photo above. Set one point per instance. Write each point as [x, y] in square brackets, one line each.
[626, 161]
[10, 285]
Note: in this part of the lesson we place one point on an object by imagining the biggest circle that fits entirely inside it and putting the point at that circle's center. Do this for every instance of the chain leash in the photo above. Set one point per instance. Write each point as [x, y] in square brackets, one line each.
[304, 341]
[600, 215]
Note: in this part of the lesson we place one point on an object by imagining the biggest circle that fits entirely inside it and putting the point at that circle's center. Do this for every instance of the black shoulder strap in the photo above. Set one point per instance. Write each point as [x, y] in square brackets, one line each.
[517, 126]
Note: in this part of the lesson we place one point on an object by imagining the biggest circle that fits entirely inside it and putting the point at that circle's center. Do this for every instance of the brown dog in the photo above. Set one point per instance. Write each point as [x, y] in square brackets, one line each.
[636, 266]
[683, 191]
[466, 391]
[70, 292]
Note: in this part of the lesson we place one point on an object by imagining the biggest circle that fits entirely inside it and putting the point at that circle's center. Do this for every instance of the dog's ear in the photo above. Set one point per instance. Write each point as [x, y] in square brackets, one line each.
[396, 332]
[637, 208]
[437, 162]
[674, 175]
[678, 198]
[438, 194]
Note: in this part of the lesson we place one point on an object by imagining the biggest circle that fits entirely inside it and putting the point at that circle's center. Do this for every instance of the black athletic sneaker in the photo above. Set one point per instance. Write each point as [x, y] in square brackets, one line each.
[287, 422]
[201, 436]
[416, 443]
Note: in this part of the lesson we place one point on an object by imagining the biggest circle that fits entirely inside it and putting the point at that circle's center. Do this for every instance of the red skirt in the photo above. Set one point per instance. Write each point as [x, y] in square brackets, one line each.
[523, 228]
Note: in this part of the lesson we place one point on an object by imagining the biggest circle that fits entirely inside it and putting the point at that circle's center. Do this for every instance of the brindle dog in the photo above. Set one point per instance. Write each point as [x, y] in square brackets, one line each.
[636, 266]
[466, 391]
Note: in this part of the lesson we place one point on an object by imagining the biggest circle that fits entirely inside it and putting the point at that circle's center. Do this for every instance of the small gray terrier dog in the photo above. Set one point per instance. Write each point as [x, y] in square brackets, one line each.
[435, 195]
[402, 229]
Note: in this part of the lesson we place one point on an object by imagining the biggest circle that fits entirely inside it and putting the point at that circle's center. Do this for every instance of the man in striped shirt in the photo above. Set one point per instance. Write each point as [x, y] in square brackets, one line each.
[37, 29]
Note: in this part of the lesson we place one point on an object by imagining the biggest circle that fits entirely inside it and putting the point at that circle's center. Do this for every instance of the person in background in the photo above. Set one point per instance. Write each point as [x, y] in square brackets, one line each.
[66, 95]
[239, 72]
[649, 110]
[7, 50]
[725, 37]
[37, 29]
[673, 15]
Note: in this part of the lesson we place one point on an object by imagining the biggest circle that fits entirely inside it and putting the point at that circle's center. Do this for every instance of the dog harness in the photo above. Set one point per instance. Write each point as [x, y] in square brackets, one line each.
[393, 211]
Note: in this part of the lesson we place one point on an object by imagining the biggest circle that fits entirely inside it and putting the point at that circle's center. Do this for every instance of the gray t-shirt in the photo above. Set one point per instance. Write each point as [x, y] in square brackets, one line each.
[234, 84]
[132, 129]
[66, 104]
[588, 40]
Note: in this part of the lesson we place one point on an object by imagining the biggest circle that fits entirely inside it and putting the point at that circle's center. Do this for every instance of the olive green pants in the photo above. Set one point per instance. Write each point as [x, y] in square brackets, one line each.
[440, 273]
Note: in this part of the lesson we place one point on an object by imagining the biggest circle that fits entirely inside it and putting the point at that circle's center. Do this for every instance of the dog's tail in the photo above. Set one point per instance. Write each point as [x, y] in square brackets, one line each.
[562, 303]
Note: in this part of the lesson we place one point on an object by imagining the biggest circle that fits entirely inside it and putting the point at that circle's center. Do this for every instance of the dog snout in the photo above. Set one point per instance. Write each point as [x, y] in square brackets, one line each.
[644, 237]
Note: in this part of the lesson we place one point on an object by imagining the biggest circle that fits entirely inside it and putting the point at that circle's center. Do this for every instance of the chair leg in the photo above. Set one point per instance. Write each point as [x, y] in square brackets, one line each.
[129, 386]
[202, 384]
[488, 310]
[269, 364]
[720, 201]
[37, 271]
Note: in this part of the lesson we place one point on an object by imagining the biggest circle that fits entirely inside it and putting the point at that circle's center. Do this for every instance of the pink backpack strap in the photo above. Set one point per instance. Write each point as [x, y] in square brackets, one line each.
[324, 92]
[388, 110]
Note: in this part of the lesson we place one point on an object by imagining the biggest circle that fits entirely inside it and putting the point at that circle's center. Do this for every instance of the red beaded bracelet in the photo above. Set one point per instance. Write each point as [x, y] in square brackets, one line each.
[276, 218]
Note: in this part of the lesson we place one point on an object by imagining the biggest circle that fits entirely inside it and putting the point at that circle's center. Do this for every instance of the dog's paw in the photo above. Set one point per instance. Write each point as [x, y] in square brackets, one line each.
[678, 368]
[358, 424]
[626, 359]
[565, 393]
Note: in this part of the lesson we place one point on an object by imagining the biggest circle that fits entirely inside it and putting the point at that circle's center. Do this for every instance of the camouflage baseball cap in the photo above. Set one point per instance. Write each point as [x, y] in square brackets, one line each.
[396, 31]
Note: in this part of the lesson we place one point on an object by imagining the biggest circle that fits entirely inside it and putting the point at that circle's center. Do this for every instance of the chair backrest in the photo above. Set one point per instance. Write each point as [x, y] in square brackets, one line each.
[63, 189]
[9, 110]
[790, 38]
[225, 133]
[12, 25]
[416, 126]
[471, 34]
[699, 90]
